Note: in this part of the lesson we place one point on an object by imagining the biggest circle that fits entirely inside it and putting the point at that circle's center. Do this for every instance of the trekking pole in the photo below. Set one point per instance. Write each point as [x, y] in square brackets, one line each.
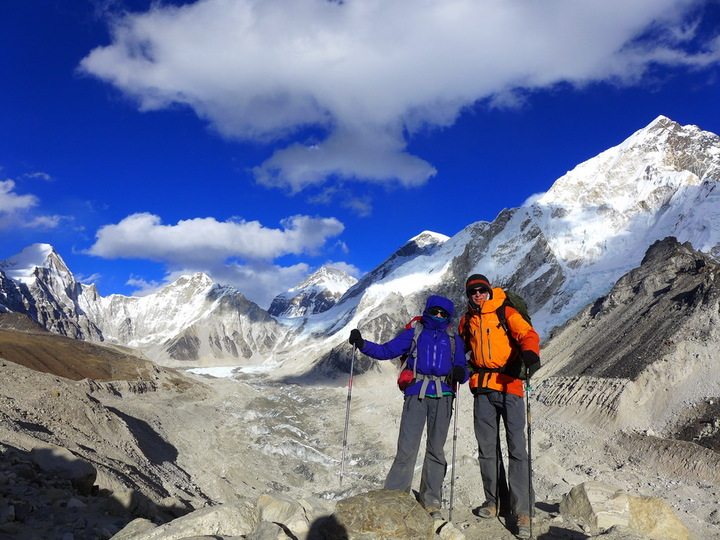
[529, 438]
[455, 433]
[347, 415]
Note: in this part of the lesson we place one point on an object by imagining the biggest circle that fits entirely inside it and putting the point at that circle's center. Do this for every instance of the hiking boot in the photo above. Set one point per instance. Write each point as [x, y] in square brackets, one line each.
[523, 526]
[434, 512]
[486, 511]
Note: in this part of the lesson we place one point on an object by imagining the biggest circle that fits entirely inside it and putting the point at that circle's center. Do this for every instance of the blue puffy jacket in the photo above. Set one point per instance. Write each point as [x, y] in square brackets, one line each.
[433, 352]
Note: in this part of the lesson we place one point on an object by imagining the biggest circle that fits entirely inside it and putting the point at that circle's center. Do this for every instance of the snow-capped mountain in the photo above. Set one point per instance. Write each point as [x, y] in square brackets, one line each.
[37, 281]
[560, 251]
[190, 320]
[317, 293]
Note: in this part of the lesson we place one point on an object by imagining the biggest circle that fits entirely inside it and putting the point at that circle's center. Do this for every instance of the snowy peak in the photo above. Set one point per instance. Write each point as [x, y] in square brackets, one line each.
[640, 173]
[428, 238]
[425, 244]
[332, 279]
[38, 281]
[422, 244]
[650, 186]
[23, 266]
[317, 293]
[187, 287]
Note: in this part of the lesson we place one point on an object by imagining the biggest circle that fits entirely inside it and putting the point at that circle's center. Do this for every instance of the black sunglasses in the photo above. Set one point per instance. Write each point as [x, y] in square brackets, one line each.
[472, 292]
[438, 312]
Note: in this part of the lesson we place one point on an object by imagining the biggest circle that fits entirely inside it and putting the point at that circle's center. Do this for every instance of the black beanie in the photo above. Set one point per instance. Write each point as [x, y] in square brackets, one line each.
[477, 281]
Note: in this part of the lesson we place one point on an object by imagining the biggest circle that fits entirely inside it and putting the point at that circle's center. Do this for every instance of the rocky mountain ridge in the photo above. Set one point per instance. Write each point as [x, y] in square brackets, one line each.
[189, 320]
[642, 356]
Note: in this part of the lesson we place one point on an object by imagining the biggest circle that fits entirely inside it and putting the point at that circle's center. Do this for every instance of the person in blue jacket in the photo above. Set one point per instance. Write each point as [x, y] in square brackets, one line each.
[437, 367]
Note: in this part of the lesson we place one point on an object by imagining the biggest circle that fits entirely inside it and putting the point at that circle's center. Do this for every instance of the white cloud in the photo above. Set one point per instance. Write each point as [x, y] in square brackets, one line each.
[16, 210]
[370, 72]
[40, 176]
[259, 281]
[372, 155]
[205, 239]
[238, 253]
[143, 287]
[11, 202]
[349, 269]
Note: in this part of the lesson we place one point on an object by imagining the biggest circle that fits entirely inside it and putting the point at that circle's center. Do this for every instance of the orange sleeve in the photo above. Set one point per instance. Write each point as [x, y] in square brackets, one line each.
[523, 332]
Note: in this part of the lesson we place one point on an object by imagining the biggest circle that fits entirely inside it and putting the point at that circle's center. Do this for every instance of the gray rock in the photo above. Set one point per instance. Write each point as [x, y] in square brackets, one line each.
[135, 529]
[238, 518]
[600, 506]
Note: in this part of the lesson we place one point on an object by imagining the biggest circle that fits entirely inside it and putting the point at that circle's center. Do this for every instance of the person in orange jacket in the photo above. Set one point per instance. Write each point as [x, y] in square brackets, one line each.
[497, 396]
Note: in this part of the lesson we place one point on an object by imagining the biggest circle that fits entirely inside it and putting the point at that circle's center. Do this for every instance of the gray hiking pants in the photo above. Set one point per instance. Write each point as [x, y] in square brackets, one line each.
[436, 413]
[488, 409]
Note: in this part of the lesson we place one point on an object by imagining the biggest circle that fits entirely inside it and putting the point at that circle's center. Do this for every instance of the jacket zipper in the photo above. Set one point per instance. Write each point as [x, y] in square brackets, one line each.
[487, 347]
[489, 350]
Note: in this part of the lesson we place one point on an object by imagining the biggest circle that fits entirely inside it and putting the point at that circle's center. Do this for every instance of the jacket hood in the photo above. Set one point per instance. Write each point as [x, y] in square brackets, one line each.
[438, 301]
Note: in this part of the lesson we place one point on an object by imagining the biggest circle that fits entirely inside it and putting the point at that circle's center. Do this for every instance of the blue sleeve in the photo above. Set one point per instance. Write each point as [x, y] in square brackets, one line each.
[460, 359]
[392, 349]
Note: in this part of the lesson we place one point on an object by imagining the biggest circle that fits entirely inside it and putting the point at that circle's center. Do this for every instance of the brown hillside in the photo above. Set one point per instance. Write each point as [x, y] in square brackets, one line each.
[22, 341]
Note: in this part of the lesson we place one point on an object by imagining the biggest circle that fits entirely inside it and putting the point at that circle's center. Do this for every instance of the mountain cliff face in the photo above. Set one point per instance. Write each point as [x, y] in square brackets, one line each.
[561, 251]
[37, 282]
[644, 354]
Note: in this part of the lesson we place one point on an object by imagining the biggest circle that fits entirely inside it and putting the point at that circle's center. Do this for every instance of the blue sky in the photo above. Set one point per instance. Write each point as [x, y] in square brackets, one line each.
[256, 140]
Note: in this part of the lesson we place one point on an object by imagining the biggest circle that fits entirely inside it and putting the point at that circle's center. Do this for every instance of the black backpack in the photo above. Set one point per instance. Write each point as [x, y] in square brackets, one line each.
[515, 366]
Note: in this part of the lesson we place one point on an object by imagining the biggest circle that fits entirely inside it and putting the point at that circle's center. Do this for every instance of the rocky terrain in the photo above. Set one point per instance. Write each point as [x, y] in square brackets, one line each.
[164, 448]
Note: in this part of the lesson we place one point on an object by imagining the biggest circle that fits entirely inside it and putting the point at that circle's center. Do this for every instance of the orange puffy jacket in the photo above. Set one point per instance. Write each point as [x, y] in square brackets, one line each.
[489, 345]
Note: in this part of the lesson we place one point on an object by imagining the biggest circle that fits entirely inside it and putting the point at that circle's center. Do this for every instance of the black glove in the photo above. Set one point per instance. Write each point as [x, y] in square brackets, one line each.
[457, 375]
[529, 358]
[356, 339]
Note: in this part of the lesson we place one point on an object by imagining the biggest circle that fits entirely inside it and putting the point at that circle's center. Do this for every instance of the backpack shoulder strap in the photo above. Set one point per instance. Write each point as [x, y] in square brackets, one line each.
[502, 317]
[418, 327]
[451, 334]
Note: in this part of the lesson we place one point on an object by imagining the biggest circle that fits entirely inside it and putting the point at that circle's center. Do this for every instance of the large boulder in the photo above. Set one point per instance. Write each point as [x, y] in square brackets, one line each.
[268, 516]
[600, 506]
[64, 464]
[379, 515]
